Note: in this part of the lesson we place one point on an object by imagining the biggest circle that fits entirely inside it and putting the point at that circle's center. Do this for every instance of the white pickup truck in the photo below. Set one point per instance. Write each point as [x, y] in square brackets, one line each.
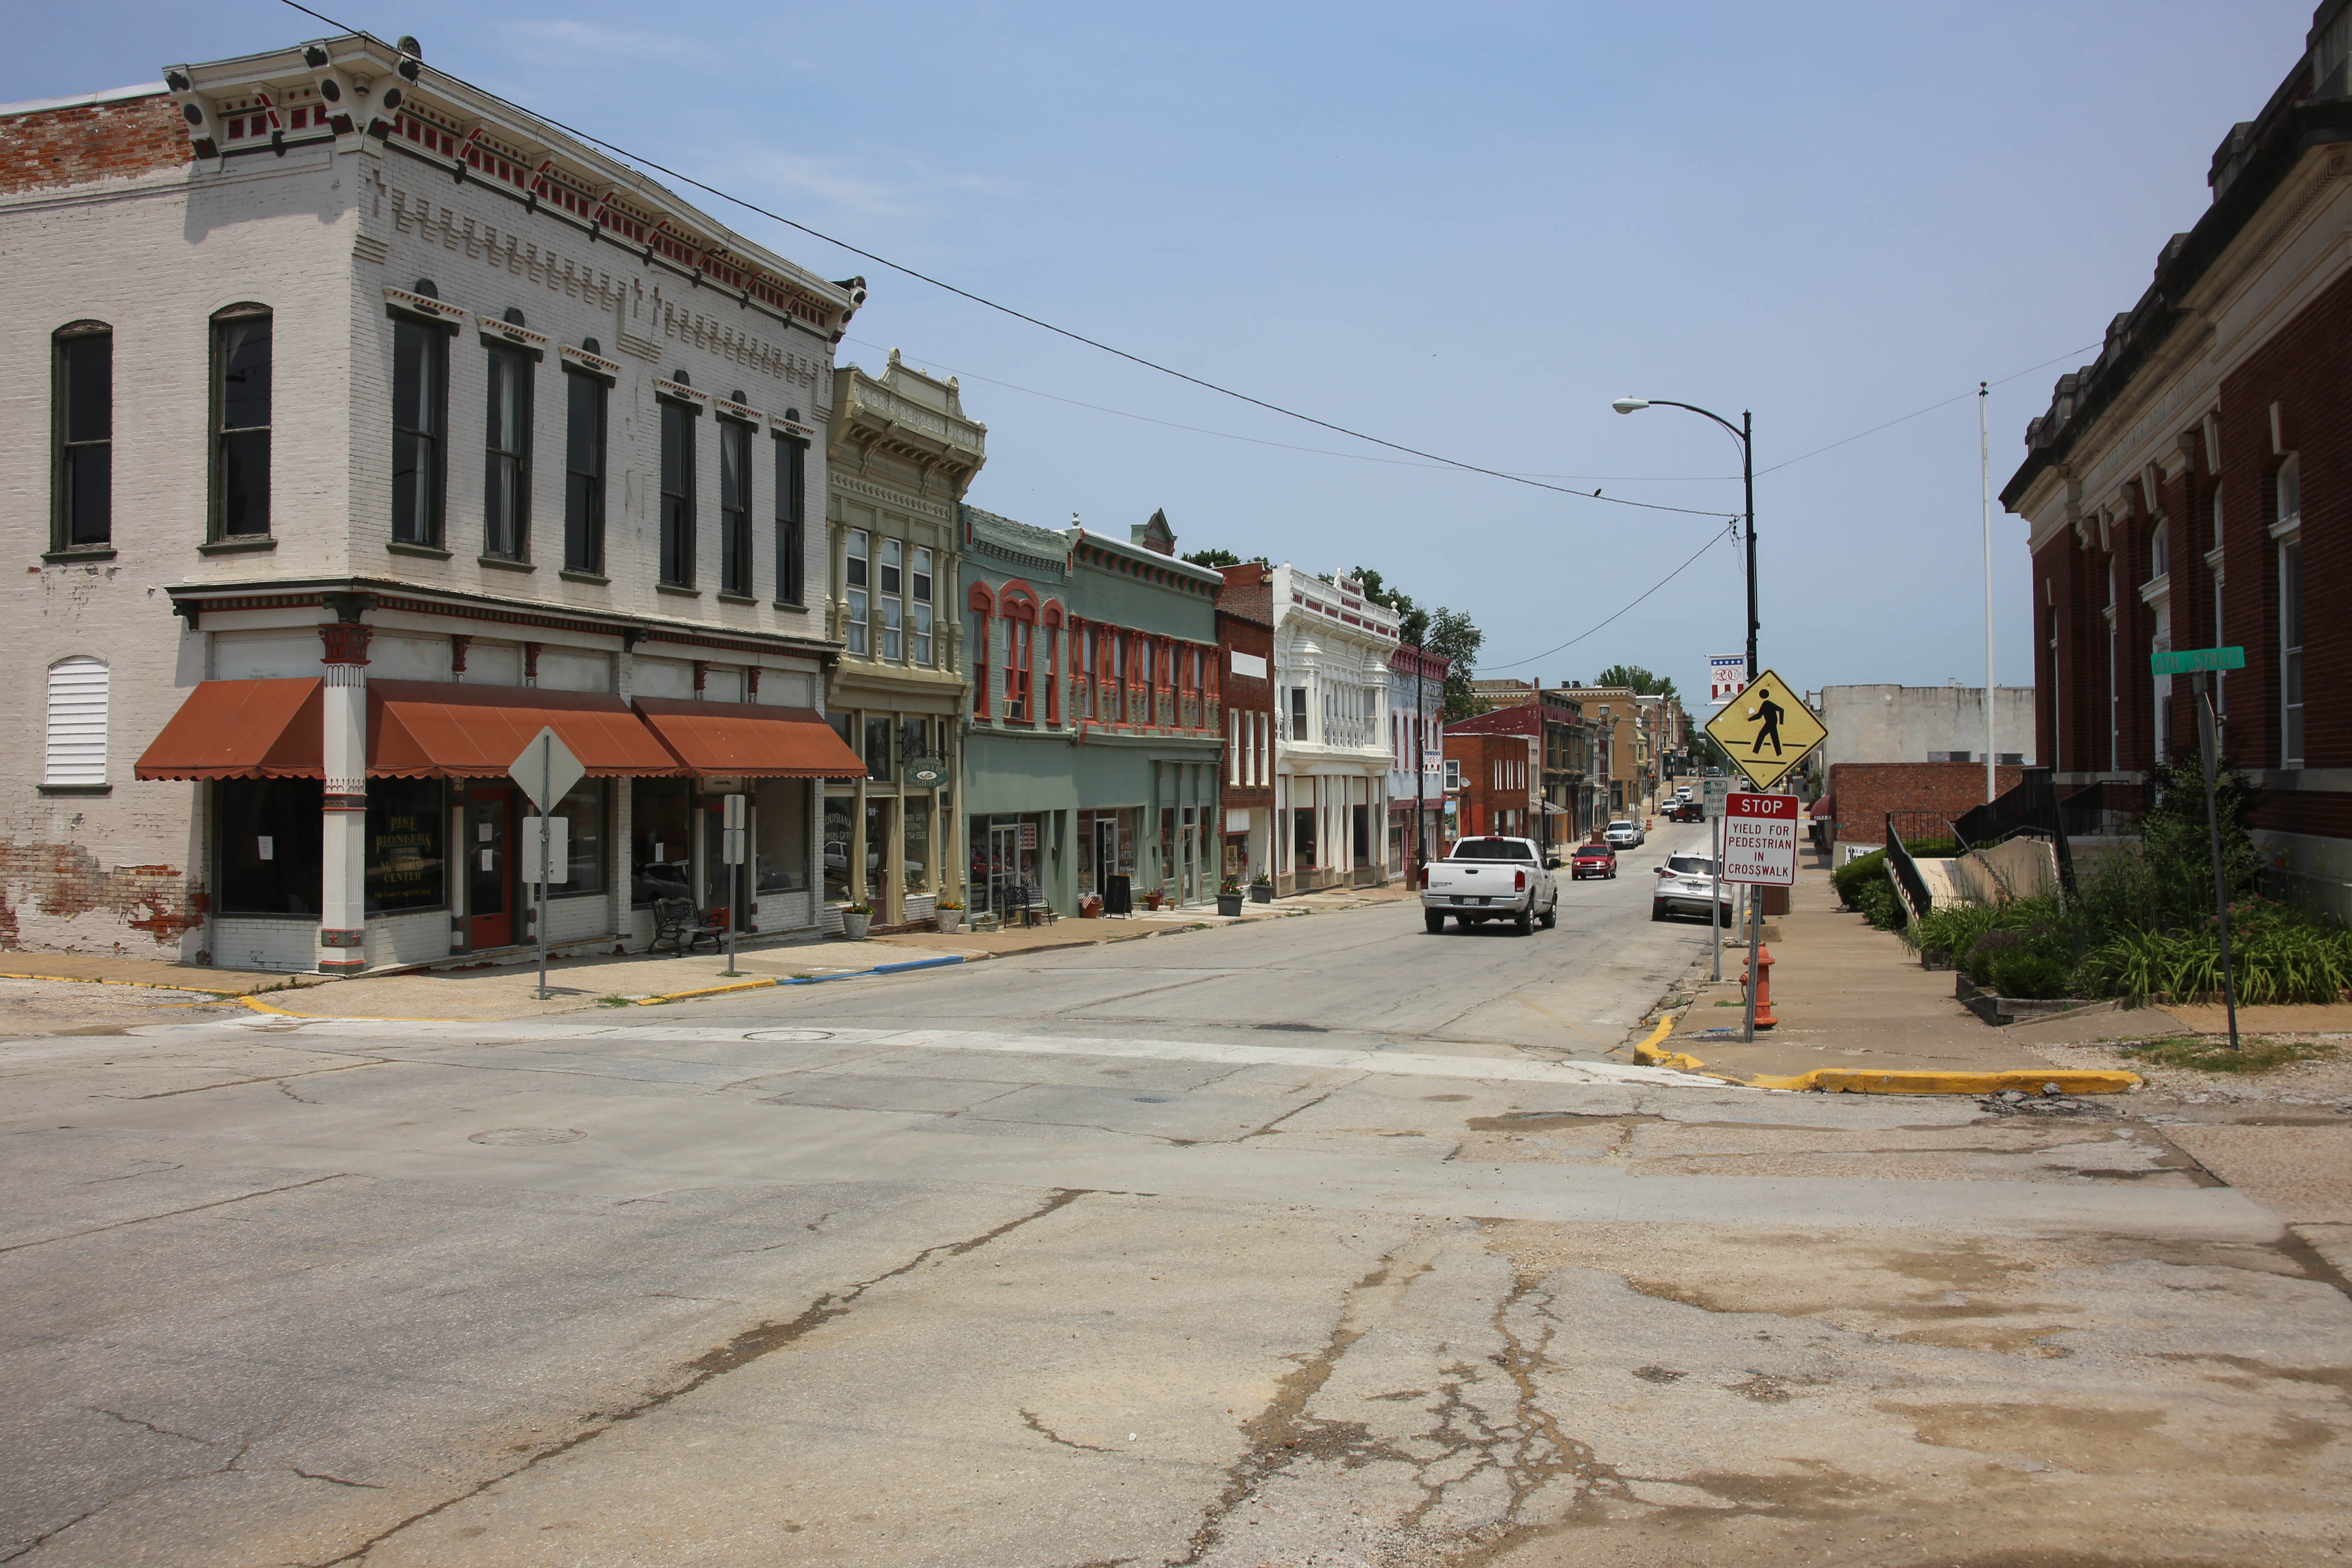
[1484, 879]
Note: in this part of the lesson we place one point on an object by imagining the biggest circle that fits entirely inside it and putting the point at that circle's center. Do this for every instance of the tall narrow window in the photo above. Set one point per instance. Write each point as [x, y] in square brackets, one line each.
[1052, 633]
[792, 459]
[1298, 713]
[978, 644]
[734, 507]
[583, 472]
[2290, 557]
[889, 604]
[856, 588]
[918, 605]
[241, 374]
[76, 752]
[506, 445]
[2159, 553]
[83, 415]
[420, 390]
[1018, 645]
[677, 493]
[1117, 712]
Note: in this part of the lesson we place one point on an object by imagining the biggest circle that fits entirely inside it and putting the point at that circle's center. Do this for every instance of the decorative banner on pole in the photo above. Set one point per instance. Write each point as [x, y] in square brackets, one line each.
[1767, 729]
[1724, 676]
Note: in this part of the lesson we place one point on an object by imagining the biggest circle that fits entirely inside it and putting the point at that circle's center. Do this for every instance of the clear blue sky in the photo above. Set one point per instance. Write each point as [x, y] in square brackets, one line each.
[1466, 228]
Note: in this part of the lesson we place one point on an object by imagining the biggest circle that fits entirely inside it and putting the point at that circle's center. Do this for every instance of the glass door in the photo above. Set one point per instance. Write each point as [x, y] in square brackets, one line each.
[489, 870]
[1003, 864]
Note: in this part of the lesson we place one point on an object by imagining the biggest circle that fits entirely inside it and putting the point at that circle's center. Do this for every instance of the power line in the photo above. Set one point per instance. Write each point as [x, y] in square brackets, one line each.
[1654, 587]
[981, 299]
[1907, 418]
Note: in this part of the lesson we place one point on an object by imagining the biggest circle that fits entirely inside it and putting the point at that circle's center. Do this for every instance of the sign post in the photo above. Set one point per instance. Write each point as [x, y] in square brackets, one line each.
[1713, 793]
[2195, 663]
[1759, 848]
[545, 771]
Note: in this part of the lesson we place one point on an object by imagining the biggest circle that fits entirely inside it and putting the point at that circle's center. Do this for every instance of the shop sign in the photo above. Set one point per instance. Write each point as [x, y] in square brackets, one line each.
[719, 785]
[1028, 836]
[924, 772]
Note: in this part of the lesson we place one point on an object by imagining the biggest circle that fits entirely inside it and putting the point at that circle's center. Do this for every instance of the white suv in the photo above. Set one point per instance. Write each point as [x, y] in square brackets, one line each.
[1623, 834]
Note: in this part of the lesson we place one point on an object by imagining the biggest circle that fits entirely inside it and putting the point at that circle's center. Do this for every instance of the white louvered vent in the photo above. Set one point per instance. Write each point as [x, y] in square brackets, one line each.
[77, 748]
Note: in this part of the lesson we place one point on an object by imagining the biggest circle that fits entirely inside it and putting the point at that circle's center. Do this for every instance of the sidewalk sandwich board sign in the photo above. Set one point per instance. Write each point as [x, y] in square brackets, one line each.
[1767, 729]
[1760, 838]
[1724, 676]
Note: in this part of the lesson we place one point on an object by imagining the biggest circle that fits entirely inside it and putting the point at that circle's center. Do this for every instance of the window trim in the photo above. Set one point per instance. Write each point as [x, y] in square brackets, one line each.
[663, 403]
[61, 446]
[437, 483]
[599, 387]
[790, 521]
[525, 367]
[216, 433]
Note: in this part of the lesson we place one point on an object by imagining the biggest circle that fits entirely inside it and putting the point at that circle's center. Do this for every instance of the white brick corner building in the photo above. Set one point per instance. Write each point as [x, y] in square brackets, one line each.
[1332, 752]
[356, 424]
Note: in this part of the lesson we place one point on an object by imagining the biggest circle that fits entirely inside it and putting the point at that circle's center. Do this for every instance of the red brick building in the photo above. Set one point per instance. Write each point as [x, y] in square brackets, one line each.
[1245, 649]
[1502, 781]
[1925, 798]
[2192, 488]
[1566, 744]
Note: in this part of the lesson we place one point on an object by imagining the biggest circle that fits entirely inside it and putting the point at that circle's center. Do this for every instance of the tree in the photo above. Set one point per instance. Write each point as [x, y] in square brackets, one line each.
[1452, 635]
[1214, 558]
[1641, 680]
[1412, 621]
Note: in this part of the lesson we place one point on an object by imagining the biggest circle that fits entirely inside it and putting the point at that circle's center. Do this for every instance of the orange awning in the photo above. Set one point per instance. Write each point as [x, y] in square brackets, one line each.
[422, 728]
[240, 730]
[744, 740]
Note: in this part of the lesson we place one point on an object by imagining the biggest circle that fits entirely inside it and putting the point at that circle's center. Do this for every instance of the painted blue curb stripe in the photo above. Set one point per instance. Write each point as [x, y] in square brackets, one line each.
[878, 969]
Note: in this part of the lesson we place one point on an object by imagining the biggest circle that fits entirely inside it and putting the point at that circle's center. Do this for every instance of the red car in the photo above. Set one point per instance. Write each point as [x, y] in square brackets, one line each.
[1594, 860]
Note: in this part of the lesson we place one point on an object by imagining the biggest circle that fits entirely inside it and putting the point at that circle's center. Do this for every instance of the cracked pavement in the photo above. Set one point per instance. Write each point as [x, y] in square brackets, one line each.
[1069, 1260]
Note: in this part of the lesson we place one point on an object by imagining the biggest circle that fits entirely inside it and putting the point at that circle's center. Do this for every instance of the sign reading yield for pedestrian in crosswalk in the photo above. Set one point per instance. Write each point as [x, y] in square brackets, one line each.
[1767, 729]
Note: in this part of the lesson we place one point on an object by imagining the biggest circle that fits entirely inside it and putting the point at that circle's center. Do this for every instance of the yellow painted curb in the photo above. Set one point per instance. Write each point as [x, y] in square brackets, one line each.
[142, 985]
[705, 990]
[1849, 1080]
[1646, 1054]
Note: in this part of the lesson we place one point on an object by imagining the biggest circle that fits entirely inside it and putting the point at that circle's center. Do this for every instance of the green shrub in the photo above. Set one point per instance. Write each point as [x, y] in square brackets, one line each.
[1877, 903]
[1850, 879]
[2279, 959]
[1982, 954]
[2030, 972]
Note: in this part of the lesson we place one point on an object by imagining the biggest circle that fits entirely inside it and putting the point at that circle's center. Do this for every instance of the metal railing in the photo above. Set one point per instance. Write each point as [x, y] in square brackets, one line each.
[1907, 880]
[1919, 826]
[2030, 807]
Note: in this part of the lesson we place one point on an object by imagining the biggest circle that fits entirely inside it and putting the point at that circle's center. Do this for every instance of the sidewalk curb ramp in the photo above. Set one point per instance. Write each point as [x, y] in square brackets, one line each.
[1855, 1080]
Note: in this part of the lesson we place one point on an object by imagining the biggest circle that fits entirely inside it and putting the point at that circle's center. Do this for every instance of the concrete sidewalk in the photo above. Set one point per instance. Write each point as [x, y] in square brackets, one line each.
[1853, 1000]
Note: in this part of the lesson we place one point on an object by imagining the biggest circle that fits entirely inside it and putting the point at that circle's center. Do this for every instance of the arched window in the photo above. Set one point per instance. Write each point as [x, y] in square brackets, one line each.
[2159, 553]
[981, 605]
[241, 399]
[1049, 631]
[1016, 650]
[74, 755]
[82, 420]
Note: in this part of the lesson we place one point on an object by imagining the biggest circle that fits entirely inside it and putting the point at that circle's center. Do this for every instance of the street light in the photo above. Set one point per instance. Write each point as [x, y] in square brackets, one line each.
[1743, 430]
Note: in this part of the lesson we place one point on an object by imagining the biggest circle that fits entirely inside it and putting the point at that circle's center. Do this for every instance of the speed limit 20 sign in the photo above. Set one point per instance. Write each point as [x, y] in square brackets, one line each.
[1760, 838]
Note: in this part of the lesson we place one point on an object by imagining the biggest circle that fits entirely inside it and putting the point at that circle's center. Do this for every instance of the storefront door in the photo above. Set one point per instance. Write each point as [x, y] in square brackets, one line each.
[1003, 864]
[1192, 859]
[489, 870]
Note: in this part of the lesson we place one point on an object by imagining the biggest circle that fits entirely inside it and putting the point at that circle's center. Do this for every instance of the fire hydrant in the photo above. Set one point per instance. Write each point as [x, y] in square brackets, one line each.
[1764, 1019]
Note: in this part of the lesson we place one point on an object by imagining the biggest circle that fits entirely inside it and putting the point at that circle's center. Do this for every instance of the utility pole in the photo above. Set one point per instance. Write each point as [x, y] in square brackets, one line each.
[1984, 459]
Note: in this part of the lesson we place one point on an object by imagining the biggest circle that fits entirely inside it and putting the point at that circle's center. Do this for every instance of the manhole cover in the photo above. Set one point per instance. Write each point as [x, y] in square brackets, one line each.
[789, 1035]
[510, 1137]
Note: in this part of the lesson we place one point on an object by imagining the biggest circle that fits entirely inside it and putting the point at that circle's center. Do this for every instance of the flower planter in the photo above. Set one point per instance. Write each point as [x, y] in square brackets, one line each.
[950, 921]
[1262, 893]
[1229, 904]
[854, 926]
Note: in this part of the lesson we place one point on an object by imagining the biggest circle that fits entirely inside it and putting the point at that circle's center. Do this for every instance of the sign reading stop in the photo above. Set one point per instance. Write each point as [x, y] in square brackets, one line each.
[1760, 838]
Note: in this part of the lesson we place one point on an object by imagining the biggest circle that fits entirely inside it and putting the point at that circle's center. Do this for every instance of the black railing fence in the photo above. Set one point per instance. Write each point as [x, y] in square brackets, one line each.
[2030, 807]
[1907, 880]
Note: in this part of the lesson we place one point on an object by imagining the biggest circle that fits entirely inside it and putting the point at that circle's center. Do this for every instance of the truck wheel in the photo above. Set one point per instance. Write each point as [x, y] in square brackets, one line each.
[1523, 922]
[1551, 915]
[1432, 922]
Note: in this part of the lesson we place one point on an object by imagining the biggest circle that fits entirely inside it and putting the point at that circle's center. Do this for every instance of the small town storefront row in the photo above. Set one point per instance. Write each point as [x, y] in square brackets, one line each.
[348, 824]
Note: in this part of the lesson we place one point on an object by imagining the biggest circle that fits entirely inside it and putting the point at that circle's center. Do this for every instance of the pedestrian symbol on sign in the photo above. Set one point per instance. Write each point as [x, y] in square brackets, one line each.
[1767, 731]
[1772, 713]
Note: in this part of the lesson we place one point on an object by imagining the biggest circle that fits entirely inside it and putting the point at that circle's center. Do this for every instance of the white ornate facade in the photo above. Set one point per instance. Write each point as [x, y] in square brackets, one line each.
[1332, 652]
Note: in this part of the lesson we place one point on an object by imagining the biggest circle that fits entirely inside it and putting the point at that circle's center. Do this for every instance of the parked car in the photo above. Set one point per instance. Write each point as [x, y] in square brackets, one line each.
[1592, 860]
[1483, 880]
[1686, 887]
[1624, 834]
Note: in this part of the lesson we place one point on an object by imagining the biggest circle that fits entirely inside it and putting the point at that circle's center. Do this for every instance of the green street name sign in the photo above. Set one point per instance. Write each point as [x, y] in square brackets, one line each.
[2191, 660]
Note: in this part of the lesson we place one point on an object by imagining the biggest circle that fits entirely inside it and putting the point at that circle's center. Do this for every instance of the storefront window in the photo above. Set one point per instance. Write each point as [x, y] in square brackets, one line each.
[914, 740]
[919, 845]
[780, 856]
[583, 813]
[408, 845]
[1302, 841]
[661, 852]
[839, 830]
[269, 846]
[878, 746]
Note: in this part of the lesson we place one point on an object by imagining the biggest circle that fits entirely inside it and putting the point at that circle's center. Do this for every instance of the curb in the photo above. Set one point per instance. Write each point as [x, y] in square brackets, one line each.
[800, 980]
[1854, 1081]
[1648, 1055]
[141, 985]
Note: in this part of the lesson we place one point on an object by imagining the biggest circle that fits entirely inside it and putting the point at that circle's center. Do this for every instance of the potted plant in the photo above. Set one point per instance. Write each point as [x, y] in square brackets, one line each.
[1090, 907]
[1261, 889]
[948, 915]
[1152, 900]
[854, 920]
[1229, 897]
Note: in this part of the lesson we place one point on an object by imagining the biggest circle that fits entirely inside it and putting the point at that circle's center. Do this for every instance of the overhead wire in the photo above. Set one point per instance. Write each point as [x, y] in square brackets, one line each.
[1713, 540]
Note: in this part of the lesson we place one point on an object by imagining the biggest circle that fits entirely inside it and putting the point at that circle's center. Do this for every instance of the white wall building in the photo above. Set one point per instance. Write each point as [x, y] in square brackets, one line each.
[1416, 756]
[1332, 652]
[356, 424]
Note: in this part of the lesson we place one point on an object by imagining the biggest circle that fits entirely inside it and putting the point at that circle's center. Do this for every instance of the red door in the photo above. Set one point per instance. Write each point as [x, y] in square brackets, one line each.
[489, 870]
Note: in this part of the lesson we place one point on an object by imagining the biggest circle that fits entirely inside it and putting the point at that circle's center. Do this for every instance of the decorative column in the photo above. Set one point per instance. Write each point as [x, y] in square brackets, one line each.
[342, 879]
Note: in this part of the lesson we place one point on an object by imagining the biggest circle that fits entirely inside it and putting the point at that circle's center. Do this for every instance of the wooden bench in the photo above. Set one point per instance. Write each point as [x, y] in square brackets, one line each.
[679, 923]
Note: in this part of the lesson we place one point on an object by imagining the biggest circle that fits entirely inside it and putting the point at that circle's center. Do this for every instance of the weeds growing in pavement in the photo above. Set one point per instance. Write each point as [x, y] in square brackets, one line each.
[2207, 1053]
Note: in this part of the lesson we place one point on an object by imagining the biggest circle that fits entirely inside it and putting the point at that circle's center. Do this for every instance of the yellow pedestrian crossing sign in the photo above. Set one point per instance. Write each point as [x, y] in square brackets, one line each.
[1767, 729]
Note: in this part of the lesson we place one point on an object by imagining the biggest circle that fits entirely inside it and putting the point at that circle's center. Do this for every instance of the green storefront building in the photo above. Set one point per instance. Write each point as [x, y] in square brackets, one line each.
[1095, 734]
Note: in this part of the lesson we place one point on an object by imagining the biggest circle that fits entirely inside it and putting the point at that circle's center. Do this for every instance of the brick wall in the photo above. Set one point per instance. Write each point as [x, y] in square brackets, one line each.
[1863, 793]
[1480, 797]
[92, 141]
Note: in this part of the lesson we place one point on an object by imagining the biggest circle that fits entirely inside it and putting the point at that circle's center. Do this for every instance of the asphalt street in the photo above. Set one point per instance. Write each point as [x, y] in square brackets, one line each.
[1311, 1241]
